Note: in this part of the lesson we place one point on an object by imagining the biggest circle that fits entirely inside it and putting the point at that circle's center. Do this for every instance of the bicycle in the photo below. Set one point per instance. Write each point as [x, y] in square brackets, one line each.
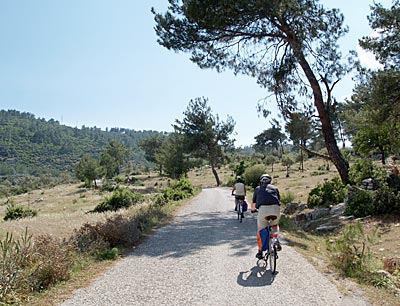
[239, 208]
[269, 245]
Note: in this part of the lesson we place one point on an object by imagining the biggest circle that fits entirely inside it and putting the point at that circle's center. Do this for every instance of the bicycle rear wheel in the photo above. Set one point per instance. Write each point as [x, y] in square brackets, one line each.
[272, 259]
[240, 210]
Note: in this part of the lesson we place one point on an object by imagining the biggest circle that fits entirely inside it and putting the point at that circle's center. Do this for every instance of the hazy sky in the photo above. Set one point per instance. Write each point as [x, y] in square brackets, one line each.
[97, 63]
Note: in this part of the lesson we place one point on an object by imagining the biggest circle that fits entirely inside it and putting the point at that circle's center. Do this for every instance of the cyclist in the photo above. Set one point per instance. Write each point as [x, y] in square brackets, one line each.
[267, 201]
[239, 191]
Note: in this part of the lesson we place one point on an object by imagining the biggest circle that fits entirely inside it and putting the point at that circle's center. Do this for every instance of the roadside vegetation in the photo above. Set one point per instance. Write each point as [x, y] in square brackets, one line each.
[33, 264]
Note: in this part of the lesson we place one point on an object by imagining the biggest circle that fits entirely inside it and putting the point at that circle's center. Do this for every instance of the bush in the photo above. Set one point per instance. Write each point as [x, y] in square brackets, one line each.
[252, 175]
[179, 190]
[15, 212]
[329, 193]
[359, 203]
[52, 262]
[351, 254]
[121, 198]
[385, 200]
[97, 239]
[14, 256]
[363, 169]
[287, 197]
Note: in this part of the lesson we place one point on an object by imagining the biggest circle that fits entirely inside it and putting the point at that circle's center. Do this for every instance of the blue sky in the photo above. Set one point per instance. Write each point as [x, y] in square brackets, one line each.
[97, 63]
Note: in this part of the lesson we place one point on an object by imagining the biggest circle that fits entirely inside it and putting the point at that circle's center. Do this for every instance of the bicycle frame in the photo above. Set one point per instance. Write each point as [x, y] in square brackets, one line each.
[239, 208]
[271, 254]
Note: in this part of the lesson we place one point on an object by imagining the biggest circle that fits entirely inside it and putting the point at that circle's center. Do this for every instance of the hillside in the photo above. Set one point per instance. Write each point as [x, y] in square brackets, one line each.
[34, 146]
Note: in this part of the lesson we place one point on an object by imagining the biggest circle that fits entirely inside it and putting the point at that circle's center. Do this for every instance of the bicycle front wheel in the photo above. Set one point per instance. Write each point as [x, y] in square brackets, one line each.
[272, 259]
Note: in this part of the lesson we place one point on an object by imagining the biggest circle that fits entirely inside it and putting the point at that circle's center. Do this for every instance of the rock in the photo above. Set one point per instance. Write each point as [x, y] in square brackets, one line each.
[337, 209]
[301, 217]
[326, 228]
[384, 273]
[302, 207]
[346, 217]
[319, 213]
[290, 208]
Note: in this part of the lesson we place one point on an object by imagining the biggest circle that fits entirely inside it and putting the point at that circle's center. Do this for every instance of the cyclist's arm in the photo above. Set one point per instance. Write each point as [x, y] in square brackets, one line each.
[253, 202]
[233, 189]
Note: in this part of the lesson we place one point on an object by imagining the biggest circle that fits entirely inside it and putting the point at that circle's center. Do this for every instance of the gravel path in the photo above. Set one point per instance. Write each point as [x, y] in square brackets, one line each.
[206, 257]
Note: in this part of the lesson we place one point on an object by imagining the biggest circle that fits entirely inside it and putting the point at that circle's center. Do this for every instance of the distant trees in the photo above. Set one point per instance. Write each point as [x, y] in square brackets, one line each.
[113, 156]
[299, 128]
[88, 168]
[152, 147]
[371, 116]
[270, 140]
[36, 146]
[281, 43]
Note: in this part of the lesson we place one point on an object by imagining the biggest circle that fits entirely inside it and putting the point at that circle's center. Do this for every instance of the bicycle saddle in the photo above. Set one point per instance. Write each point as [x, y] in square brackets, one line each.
[271, 218]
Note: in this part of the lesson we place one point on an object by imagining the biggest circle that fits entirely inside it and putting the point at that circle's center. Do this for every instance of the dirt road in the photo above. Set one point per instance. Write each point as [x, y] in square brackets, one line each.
[206, 257]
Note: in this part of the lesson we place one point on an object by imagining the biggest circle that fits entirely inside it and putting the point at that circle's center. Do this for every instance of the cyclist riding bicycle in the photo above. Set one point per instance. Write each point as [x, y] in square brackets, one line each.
[239, 191]
[267, 201]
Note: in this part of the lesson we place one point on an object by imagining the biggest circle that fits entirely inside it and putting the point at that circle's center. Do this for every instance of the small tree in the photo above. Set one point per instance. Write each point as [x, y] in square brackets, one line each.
[152, 147]
[205, 136]
[113, 156]
[271, 160]
[287, 160]
[88, 169]
[172, 155]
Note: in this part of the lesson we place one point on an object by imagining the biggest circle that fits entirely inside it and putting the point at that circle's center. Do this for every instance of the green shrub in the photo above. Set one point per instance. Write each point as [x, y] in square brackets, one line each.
[15, 212]
[109, 254]
[287, 197]
[328, 193]
[365, 168]
[359, 203]
[179, 190]
[385, 200]
[120, 198]
[252, 175]
[14, 256]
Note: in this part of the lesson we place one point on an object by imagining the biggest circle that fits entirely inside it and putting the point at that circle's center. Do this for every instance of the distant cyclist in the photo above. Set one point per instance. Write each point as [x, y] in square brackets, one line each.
[239, 191]
[267, 201]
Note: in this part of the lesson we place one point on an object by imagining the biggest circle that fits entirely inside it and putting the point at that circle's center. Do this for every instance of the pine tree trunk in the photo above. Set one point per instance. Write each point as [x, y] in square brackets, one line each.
[334, 153]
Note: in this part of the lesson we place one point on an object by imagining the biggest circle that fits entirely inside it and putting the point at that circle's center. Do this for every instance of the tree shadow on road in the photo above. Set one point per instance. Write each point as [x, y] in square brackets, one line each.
[191, 233]
[257, 276]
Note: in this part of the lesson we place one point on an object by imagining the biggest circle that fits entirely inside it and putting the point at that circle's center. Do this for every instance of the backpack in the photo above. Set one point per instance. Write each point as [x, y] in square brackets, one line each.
[244, 206]
[264, 239]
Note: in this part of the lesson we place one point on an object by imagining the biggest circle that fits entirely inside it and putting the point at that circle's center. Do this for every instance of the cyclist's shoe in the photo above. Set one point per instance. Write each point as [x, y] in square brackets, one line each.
[278, 245]
[259, 255]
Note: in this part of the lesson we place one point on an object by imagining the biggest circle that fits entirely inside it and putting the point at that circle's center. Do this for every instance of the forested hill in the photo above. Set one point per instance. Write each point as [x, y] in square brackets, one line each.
[30, 145]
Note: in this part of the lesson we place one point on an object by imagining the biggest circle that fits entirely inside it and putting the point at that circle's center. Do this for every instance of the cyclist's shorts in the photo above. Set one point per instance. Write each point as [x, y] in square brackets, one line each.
[267, 210]
[239, 197]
